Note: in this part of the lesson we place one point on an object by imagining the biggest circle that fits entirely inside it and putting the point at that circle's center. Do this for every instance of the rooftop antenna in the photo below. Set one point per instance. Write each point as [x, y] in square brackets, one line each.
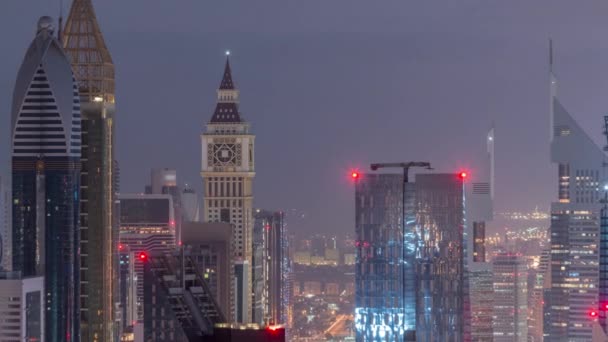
[551, 54]
[59, 31]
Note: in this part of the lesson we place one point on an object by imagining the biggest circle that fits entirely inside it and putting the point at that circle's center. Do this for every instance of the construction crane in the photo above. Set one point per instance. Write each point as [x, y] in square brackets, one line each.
[409, 243]
[405, 166]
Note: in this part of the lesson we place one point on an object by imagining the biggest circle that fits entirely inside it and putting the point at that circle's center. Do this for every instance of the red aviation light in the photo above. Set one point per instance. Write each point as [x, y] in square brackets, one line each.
[593, 314]
[355, 175]
[143, 256]
[463, 175]
[121, 247]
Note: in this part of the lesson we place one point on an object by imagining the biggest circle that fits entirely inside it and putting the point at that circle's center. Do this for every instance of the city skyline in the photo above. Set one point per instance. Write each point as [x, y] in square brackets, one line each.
[505, 63]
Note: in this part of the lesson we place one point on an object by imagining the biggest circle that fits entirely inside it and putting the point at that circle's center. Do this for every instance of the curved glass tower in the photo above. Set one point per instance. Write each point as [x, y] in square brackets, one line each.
[46, 143]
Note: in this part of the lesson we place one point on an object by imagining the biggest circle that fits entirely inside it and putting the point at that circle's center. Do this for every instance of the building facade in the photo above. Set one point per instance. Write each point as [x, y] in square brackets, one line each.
[409, 276]
[46, 144]
[21, 308]
[94, 72]
[146, 226]
[276, 285]
[5, 224]
[575, 227]
[510, 298]
[228, 171]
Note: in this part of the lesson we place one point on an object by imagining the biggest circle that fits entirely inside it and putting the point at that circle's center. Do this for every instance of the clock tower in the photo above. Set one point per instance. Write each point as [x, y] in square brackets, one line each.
[228, 171]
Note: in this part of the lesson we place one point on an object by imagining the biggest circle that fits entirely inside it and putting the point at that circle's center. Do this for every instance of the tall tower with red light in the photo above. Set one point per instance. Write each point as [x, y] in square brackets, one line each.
[228, 170]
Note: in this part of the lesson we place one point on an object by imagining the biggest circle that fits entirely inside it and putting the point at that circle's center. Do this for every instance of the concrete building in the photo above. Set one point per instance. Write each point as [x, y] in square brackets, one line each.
[5, 224]
[228, 169]
[21, 308]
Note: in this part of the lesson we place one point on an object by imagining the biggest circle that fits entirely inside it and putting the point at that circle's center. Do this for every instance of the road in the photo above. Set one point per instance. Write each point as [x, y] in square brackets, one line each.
[340, 328]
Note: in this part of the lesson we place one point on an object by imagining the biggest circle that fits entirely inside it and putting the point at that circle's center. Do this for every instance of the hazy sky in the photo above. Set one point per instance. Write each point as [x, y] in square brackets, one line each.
[330, 85]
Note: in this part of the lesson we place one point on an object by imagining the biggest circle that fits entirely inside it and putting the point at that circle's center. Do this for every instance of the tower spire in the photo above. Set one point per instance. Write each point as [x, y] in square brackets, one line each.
[227, 83]
[550, 55]
[91, 60]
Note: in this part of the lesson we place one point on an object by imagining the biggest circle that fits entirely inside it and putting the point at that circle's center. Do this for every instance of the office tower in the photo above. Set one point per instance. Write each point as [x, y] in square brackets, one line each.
[276, 267]
[540, 285]
[228, 171]
[164, 181]
[209, 245]
[574, 226]
[409, 277]
[5, 225]
[384, 311]
[94, 72]
[440, 265]
[510, 298]
[21, 308]
[178, 305]
[478, 275]
[190, 205]
[45, 169]
[147, 225]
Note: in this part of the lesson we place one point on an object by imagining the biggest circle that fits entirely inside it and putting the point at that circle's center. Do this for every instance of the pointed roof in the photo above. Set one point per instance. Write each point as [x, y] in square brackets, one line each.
[89, 55]
[227, 108]
[227, 83]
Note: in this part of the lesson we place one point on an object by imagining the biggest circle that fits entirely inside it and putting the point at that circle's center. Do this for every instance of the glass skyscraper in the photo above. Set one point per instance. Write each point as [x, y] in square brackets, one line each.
[46, 170]
[409, 275]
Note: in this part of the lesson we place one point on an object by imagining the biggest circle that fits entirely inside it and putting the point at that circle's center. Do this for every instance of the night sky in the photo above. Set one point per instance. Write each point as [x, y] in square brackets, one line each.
[331, 85]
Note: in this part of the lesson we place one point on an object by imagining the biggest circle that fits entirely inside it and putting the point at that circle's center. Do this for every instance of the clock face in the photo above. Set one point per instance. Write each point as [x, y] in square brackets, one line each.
[225, 154]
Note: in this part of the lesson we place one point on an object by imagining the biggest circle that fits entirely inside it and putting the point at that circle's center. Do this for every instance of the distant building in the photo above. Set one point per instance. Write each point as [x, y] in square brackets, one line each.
[147, 225]
[190, 205]
[350, 258]
[510, 298]
[164, 181]
[332, 289]
[21, 308]
[302, 258]
[332, 255]
[209, 245]
[312, 288]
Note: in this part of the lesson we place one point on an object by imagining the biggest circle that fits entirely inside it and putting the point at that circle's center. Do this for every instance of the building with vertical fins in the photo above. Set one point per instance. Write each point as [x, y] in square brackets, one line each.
[575, 226]
[45, 123]
[94, 72]
[228, 171]
[510, 298]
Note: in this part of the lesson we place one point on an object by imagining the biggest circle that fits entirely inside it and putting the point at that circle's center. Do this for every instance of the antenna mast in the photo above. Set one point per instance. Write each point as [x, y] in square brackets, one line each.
[59, 31]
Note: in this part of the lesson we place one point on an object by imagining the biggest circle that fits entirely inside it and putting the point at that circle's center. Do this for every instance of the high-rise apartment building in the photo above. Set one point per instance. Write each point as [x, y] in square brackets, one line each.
[575, 226]
[228, 171]
[190, 205]
[510, 298]
[94, 71]
[164, 181]
[46, 127]
[419, 297]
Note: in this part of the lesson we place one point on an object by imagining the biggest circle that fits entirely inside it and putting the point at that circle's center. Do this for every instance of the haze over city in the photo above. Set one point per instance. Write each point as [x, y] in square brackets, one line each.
[330, 86]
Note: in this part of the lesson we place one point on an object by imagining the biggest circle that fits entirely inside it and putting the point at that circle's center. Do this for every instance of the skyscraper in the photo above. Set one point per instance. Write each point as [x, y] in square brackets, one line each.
[164, 181]
[574, 227]
[510, 298]
[46, 170]
[396, 295]
[228, 171]
[5, 224]
[478, 275]
[94, 72]
[276, 267]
